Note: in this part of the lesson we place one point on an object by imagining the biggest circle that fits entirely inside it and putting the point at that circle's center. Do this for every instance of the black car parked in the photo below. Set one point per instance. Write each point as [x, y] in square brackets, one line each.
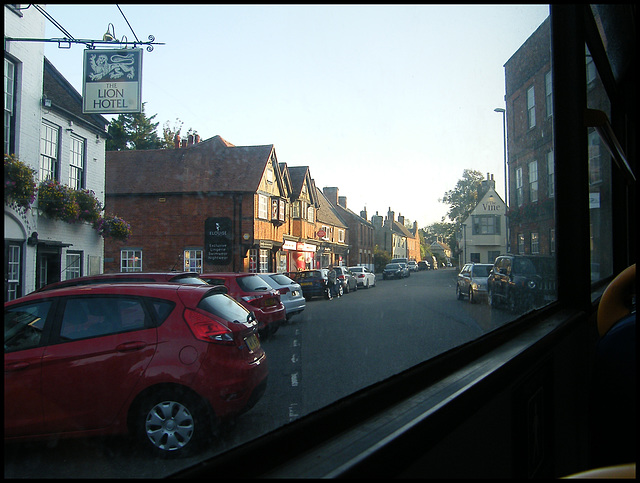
[515, 282]
[393, 270]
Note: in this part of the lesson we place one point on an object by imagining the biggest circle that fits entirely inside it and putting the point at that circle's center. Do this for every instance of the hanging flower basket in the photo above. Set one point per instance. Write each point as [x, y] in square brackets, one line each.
[113, 226]
[57, 201]
[19, 182]
[88, 205]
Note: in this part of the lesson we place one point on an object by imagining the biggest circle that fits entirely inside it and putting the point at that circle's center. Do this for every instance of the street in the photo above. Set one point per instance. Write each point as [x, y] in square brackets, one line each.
[331, 350]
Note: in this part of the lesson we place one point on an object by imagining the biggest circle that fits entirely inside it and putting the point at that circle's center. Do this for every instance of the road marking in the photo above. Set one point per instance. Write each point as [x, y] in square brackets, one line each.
[294, 379]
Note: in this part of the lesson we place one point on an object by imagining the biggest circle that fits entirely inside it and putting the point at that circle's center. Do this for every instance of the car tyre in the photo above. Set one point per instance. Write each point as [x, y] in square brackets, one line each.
[492, 299]
[173, 423]
[459, 295]
[472, 299]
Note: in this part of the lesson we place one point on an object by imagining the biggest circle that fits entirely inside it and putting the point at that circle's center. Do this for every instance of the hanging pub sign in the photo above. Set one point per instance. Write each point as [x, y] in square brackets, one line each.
[217, 240]
[112, 81]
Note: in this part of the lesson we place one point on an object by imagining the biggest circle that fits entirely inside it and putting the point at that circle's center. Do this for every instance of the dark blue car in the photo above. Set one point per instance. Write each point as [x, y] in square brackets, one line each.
[313, 282]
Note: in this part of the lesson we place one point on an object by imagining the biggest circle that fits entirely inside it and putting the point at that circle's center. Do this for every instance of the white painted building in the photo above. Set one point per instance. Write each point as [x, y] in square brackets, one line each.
[43, 109]
[484, 231]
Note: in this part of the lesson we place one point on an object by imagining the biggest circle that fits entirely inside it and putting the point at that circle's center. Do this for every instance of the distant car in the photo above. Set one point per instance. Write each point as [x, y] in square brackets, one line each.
[163, 361]
[472, 281]
[314, 283]
[347, 279]
[364, 277]
[423, 265]
[290, 292]
[255, 295]
[405, 269]
[413, 265]
[515, 282]
[171, 277]
[392, 270]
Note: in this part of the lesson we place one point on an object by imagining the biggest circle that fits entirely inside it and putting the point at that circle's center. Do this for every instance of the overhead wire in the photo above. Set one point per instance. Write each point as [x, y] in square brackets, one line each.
[125, 19]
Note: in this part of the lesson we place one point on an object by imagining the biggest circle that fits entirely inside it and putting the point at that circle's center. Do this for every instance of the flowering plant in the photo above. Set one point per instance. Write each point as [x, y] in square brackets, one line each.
[88, 205]
[19, 182]
[113, 226]
[57, 201]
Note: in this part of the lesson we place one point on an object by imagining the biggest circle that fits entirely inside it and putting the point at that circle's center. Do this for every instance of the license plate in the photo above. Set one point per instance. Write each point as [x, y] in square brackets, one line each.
[306, 284]
[270, 302]
[252, 343]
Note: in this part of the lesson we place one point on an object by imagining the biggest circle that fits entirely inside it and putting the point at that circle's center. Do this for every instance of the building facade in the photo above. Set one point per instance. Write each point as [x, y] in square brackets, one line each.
[484, 231]
[45, 129]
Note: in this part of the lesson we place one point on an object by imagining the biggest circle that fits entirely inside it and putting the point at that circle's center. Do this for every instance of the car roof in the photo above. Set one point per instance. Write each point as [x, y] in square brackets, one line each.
[149, 289]
[117, 277]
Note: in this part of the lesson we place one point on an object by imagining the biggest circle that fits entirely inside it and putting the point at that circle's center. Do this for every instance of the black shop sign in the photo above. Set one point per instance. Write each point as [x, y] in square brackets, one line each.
[217, 240]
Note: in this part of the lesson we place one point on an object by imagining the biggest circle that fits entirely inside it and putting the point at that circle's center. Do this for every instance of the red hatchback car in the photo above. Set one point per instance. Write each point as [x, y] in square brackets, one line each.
[256, 295]
[165, 362]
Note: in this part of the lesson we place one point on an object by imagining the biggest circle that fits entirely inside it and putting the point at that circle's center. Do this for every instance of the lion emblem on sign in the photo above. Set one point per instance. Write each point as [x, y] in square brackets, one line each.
[113, 67]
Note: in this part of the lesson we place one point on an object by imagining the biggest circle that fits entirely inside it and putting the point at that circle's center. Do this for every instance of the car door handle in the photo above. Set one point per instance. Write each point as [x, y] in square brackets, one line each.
[131, 346]
[16, 366]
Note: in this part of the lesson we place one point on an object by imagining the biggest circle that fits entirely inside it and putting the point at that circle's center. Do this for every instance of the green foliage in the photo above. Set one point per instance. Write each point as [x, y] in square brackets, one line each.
[19, 182]
[380, 259]
[464, 197]
[133, 131]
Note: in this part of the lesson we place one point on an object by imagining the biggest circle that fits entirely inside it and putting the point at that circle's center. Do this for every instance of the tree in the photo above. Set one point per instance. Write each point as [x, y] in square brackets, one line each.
[464, 197]
[133, 131]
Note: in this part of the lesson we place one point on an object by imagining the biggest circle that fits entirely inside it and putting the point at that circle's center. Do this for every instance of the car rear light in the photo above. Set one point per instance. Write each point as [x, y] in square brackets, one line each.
[283, 290]
[207, 329]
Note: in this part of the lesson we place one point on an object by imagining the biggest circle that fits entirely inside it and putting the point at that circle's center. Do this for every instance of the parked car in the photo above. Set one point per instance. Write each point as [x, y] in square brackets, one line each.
[347, 279]
[472, 281]
[290, 292]
[165, 362]
[172, 277]
[256, 296]
[405, 269]
[413, 265]
[314, 283]
[514, 282]
[392, 270]
[423, 265]
[364, 277]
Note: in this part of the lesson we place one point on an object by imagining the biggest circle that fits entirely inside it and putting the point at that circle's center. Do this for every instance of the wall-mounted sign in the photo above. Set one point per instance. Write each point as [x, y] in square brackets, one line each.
[218, 238]
[112, 81]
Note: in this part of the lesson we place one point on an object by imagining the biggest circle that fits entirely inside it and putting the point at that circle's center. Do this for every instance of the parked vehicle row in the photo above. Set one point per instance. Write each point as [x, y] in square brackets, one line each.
[518, 282]
[314, 282]
[395, 270]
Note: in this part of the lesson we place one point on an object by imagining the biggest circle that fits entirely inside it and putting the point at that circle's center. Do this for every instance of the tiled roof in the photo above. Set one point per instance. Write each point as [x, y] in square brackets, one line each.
[327, 213]
[213, 165]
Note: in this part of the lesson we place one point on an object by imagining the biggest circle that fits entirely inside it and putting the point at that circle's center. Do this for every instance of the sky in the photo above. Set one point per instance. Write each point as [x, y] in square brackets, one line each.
[389, 103]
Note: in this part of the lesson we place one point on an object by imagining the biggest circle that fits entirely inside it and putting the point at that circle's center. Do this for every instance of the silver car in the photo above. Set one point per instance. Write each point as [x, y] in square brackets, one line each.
[290, 292]
[472, 281]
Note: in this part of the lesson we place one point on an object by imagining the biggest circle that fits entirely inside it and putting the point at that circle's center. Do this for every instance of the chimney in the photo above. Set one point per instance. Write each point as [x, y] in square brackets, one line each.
[400, 219]
[183, 143]
[197, 138]
[190, 137]
[176, 141]
[363, 213]
[342, 201]
[331, 194]
[391, 215]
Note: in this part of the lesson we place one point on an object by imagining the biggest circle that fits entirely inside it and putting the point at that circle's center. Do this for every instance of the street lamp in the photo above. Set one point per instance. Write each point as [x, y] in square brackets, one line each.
[506, 193]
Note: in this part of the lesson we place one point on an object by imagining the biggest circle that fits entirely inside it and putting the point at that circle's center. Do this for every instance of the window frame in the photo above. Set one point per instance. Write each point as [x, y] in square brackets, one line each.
[127, 254]
[77, 162]
[47, 154]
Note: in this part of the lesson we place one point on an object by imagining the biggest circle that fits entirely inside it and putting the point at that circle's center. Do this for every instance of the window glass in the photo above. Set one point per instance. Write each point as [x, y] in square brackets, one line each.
[94, 316]
[48, 151]
[23, 326]
[600, 164]
[76, 164]
[9, 89]
[410, 136]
